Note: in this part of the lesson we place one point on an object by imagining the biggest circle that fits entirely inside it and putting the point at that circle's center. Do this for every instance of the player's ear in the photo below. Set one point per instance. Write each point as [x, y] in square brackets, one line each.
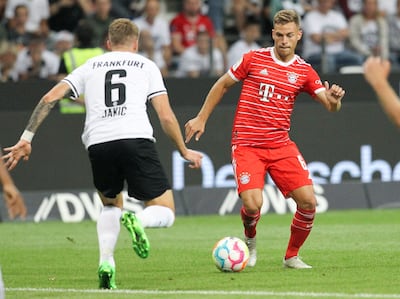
[299, 34]
[136, 45]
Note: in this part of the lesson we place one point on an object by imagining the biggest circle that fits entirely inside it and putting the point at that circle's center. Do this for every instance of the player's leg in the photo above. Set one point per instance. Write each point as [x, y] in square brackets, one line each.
[250, 214]
[249, 170]
[109, 183]
[147, 182]
[108, 228]
[301, 226]
[290, 174]
[158, 212]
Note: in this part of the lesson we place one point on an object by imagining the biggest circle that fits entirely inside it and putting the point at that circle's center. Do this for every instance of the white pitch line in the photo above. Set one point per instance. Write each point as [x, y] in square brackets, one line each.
[208, 292]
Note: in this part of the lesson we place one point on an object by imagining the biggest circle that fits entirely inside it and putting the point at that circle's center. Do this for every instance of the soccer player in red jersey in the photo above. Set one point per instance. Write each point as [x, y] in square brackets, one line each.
[272, 78]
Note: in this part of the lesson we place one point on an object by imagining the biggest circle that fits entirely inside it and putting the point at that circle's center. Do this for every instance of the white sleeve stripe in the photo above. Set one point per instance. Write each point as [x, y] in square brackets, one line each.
[74, 90]
[156, 93]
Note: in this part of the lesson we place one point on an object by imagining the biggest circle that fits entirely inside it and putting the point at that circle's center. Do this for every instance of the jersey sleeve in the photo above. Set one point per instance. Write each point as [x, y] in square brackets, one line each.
[239, 71]
[76, 81]
[157, 86]
[313, 84]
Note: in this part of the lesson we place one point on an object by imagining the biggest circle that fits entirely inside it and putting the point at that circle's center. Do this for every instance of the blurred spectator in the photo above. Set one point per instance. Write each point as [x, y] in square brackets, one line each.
[100, 20]
[242, 9]
[248, 41]
[394, 33]
[147, 48]
[153, 21]
[386, 7]
[300, 6]
[38, 15]
[16, 28]
[186, 25]
[8, 56]
[66, 14]
[325, 35]
[369, 31]
[350, 7]
[269, 9]
[35, 61]
[216, 12]
[3, 20]
[63, 41]
[124, 9]
[3, 4]
[83, 49]
[196, 60]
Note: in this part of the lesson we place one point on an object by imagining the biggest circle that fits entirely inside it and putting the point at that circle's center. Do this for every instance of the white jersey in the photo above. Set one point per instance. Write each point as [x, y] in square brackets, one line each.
[116, 86]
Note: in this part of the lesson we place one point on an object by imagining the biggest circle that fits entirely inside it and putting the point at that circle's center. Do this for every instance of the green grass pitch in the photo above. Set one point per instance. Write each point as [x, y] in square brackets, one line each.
[355, 254]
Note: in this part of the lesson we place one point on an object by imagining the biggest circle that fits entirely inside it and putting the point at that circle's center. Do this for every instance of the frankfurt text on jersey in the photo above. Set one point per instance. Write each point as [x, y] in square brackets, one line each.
[117, 63]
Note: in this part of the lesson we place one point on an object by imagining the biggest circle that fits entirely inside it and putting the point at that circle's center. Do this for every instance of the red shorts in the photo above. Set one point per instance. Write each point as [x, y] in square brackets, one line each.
[285, 165]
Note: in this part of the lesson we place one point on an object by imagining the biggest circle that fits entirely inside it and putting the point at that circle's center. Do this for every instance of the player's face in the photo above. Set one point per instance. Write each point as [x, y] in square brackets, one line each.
[286, 37]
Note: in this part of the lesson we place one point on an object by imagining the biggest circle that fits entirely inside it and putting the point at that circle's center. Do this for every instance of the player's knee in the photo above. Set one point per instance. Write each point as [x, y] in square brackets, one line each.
[307, 204]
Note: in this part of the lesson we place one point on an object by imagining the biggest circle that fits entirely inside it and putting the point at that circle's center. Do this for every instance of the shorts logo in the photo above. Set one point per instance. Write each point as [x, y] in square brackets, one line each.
[244, 178]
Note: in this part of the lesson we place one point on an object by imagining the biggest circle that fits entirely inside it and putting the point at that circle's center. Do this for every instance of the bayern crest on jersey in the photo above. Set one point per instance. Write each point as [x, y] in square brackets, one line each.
[292, 77]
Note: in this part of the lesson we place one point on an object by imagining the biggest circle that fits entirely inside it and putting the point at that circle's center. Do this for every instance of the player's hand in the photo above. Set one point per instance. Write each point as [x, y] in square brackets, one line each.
[14, 201]
[194, 127]
[194, 157]
[376, 69]
[334, 94]
[20, 150]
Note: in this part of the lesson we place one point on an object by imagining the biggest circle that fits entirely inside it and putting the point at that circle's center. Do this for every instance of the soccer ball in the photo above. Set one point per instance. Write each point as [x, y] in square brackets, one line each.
[230, 254]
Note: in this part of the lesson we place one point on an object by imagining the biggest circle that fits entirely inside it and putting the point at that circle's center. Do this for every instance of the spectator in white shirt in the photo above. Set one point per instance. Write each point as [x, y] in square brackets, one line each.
[326, 33]
[248, 41]
[39, 13]
[196, 60]
[153, 21]
[147, 49]
[369, 32]
[35, 61]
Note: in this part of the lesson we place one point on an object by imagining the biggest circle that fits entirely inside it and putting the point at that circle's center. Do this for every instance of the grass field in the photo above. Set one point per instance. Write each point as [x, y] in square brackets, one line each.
[355, 254]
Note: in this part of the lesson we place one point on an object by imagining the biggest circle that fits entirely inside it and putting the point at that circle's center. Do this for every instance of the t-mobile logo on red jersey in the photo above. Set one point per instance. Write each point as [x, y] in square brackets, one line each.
[267, 92]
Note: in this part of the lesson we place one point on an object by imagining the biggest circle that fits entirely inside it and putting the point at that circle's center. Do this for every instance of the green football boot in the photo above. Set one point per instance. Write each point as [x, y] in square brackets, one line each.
[140, 243]
[106, 276]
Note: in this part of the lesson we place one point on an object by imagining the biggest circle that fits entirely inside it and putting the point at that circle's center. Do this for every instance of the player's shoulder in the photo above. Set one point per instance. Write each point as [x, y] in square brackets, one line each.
[301, 61]
[260, 52]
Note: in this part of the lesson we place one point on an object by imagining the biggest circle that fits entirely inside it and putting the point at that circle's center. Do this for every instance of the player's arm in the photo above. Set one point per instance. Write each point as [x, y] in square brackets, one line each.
[22, 149]
[196, 126]
[13, 198]
[331, 97]
[170, 126]
[376, 73]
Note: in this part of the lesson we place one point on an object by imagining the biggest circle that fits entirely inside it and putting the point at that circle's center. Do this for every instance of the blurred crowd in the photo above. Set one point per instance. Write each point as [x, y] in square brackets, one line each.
[46, 39]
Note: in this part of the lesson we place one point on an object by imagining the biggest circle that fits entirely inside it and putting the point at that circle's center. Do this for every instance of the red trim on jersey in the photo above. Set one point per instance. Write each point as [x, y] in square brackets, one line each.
[268, 94]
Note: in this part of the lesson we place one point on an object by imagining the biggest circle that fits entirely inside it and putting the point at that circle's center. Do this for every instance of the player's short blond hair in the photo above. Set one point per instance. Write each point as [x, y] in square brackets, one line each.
[285, 16]
[122, 31]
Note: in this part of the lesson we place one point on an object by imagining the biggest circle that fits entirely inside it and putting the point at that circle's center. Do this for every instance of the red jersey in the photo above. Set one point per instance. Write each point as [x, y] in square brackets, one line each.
[269, 91]
[181, 25]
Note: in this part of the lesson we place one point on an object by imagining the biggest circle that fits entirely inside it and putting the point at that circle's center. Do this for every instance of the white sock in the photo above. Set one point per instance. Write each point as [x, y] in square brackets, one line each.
[2, 292]
[108, 227]
[156, 216]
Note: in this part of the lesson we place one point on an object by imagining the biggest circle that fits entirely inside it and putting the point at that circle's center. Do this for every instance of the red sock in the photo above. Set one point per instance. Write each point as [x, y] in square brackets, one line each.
[249, 222]
[300, 229]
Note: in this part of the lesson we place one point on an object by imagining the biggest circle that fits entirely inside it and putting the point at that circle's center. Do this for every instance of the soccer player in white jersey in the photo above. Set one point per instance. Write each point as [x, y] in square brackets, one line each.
[272, 78]
[119, 139]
